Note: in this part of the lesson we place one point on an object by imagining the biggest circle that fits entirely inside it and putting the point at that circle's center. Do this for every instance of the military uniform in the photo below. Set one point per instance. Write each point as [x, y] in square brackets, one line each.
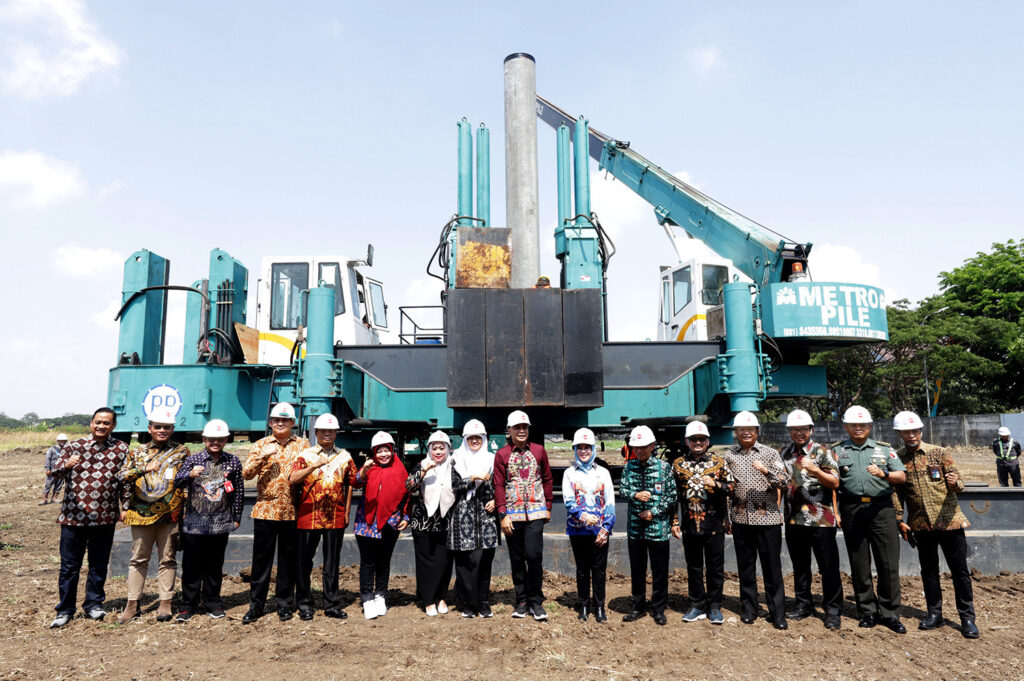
[869, 524]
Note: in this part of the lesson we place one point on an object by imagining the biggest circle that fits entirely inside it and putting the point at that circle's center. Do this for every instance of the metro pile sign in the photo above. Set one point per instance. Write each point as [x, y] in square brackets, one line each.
[823, 311]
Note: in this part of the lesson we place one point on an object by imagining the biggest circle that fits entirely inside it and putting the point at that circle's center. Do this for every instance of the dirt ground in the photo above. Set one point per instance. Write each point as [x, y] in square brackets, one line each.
[407, 645]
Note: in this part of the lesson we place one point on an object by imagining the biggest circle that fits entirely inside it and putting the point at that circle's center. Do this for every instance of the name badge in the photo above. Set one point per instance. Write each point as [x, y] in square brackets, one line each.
[228, 487]
[169, 474]
[657, 488]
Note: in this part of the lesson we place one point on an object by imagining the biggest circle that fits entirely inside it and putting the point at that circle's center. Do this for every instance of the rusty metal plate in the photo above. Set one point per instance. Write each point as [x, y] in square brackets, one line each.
[484, 257]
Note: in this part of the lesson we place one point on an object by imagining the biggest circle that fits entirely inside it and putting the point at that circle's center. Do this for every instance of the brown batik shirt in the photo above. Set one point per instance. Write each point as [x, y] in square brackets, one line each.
[92, 494]
[931, 504]
[270, 462]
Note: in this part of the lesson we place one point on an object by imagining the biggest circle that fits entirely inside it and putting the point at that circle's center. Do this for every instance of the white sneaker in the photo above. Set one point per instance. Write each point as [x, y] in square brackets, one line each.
[442, 608]
[382, 607]
[60, 620]
[370, 609]
[96, 613]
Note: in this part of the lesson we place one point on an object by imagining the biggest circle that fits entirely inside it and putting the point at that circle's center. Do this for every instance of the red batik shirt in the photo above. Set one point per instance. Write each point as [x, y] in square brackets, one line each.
[322, 499]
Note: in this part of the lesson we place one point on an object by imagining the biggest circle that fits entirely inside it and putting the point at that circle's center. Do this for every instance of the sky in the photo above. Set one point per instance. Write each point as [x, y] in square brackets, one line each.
[887, 134]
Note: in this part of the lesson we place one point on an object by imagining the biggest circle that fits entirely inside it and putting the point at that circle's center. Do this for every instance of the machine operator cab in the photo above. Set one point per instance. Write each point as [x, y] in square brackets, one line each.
[360, 313]
[690, 302]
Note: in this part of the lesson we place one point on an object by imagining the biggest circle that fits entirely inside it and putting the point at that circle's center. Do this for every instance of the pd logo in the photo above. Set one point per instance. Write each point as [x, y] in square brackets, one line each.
[162, 396]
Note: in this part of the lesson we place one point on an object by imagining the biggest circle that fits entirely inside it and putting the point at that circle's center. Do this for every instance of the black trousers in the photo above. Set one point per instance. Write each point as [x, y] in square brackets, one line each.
[1008, 471]
[526, 555]
[870, 531]
[473, 577]
[954, 547]
[639, 551]
[266, 534]
[591, 567]
[75, 543]
[705, 559]
[802, 541]
[375, 563]
[760, 543]
[202, 570]
[309, 541]
[433, 566]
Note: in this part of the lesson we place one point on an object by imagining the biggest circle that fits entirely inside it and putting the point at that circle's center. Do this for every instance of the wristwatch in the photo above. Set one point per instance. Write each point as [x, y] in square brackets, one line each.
[886, 476]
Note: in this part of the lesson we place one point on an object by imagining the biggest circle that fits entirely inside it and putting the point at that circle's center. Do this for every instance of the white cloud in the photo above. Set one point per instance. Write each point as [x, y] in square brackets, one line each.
[51, 47]
[36, 180]
[110, 188]
[704, 60]
[836, 262]
[88, 263]
[105, 318]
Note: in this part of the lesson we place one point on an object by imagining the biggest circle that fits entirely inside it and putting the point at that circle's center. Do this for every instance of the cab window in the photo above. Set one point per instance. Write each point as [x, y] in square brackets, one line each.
[287, 281]
[330, 275]
[715, 277]
[379, 309]
[681, 289]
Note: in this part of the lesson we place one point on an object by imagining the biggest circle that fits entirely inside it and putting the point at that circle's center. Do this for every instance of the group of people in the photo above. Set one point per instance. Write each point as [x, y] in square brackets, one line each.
[459, 504]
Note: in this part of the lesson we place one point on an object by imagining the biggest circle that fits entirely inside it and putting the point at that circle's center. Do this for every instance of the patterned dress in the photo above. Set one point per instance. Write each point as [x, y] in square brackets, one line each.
[470, 527]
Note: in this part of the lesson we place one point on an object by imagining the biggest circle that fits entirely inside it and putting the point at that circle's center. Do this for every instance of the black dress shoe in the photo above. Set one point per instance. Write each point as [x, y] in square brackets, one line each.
[600, 615]
[633, 616]
[748, 619]
[584, 613]
[659, 619]
[251, 616]
[797, 615]
[284, 615]
[336, 614]
[968, 628]
[932, 621]
[832, 622]
[867, 621]
[304, 614]
[893, 624]
[782, 624]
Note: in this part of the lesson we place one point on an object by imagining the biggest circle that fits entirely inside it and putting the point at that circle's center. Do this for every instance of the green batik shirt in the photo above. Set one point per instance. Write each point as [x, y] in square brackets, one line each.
[654, 476]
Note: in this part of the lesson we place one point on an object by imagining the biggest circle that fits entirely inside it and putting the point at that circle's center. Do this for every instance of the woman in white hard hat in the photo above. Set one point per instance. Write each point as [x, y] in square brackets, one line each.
[473, 533]
[380, 518]
[212, 478]
[589, 519]
[432, 498]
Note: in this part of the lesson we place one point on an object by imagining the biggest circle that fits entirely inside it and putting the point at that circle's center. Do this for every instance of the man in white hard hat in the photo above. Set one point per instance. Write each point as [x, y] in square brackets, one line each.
[867, 471]
[523, 493]
[812, 519]
[756, 519]
[54, 481]
[650, 488]
[934, 520]
[704, 485]
[1007, 451]
[270, 463]
[324, 475]
[88, 514]
[212, 479]
[151, 507]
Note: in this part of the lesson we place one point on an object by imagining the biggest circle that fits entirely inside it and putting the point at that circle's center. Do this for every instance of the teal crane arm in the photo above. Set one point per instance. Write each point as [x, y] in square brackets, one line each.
[757, 252]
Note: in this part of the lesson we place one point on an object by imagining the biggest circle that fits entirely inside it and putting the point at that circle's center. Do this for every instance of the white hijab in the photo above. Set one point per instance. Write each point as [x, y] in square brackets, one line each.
[469, 463]
[436, 487]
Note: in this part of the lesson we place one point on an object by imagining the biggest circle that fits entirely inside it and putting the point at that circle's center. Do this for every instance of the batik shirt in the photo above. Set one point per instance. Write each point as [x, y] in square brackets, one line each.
[152, 498]
[322, 500]
[210, 508]
[702, 511]
[588, 492]
[470, 527]
[91, 497]
[808, 502]
[523, 486]
[654, 476]
[755, 495]
[931, 504]
[270, 462]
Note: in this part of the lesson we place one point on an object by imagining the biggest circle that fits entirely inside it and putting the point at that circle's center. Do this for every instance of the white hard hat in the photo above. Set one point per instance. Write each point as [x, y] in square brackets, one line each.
[857, 414]
[1003, 430]
[64, 436]
[327, 422]
[474, 427]
[439, 436]
[641, 436]
[584, 436]
[282, 410]
[906, 420]
[216, 428]
[797, 418]
[517, 417]
[745, 418]
[382, 438]
[696, 428]
[163, 416]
